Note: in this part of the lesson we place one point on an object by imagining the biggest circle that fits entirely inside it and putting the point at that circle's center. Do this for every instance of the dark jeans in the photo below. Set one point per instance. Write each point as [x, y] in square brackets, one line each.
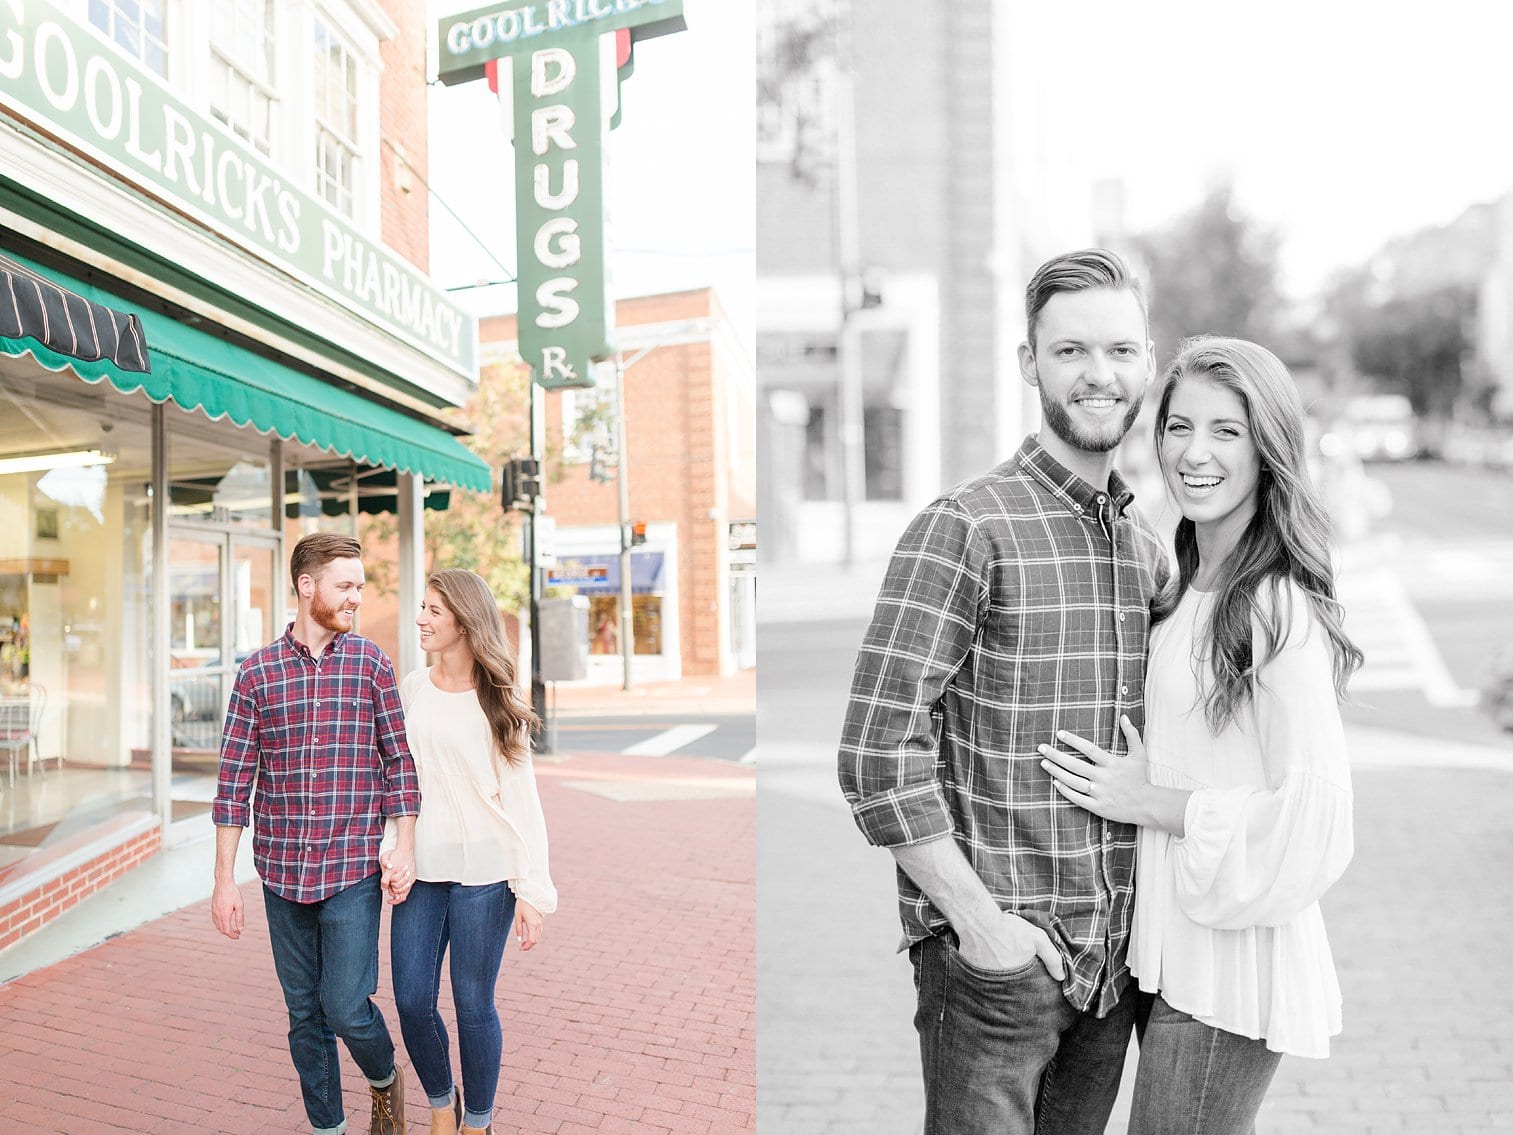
[1195, 1079]
[476, 922]
[326, 955]
[1005, 1053]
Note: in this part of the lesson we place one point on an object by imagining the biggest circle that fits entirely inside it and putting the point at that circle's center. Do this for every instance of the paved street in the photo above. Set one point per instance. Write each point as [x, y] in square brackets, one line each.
[637, 1013]
[718, 736]
[1419, 924]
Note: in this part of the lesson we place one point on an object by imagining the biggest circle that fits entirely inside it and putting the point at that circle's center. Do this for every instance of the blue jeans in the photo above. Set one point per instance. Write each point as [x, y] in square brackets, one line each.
[1005, 1052]
[476, 922]
[326, 955]
[1195, 1078]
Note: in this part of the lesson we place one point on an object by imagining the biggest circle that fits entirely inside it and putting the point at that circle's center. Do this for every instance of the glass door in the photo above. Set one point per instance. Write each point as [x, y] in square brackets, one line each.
[198, 654]
[258, 616]
[223, 605]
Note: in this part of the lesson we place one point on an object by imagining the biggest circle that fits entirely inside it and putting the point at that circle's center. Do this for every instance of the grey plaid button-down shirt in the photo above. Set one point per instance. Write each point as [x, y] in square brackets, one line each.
[1015, 605]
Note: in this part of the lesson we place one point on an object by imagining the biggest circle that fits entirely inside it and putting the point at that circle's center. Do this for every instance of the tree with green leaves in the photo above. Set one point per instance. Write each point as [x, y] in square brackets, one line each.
[1213, 271]
[796, 55]
[474, 532]
[1415, 344]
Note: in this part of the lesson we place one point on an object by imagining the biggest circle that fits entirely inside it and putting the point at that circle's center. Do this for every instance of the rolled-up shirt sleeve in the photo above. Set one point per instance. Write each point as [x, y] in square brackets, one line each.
[239, 757]
[401, 791]
[928, 612]
[1259, 857]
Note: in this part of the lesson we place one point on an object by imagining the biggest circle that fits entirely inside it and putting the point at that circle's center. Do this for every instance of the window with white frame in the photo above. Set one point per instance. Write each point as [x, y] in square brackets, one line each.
[336, 89]
[136, 27]
[243, 87]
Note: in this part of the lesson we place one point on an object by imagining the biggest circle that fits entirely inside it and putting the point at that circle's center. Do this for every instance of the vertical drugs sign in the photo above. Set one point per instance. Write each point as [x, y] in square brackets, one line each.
[562, 72]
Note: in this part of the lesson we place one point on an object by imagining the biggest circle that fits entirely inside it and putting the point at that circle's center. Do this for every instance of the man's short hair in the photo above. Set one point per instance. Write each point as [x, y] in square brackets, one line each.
[315, 551]
[1078, 272]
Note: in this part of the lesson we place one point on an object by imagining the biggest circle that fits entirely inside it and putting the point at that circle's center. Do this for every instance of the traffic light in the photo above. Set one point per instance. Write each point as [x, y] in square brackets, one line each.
[520, 483]
[637, 533]
[509, 486]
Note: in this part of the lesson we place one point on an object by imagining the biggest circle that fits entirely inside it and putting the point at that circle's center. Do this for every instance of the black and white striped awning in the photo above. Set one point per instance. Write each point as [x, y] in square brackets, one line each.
[36, 310]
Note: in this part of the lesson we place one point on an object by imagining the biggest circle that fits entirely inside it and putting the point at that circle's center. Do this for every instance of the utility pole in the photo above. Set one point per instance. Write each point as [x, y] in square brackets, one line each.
[539, 739]
[622, 461]
[849, 426]
[627, 619]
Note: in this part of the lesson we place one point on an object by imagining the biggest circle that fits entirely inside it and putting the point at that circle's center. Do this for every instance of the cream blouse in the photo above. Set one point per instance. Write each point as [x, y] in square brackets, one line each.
[480, 819]
[1227, 924]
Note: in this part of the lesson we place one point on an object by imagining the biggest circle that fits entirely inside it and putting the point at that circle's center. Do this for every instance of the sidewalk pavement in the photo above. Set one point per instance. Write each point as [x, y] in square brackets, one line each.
[732, 694]
[1419, 927]
[636, 1014]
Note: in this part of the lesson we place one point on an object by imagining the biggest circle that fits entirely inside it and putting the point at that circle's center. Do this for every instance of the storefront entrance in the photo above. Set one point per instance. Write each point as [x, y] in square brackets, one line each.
[223, 605]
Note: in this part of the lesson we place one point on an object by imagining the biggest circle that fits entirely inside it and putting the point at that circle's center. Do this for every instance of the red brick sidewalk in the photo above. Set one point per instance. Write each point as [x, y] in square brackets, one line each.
[636, 1014]
[734, 693]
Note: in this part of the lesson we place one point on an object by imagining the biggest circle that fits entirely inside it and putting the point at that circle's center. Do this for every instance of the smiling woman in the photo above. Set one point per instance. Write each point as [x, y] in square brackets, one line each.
[1245, 809]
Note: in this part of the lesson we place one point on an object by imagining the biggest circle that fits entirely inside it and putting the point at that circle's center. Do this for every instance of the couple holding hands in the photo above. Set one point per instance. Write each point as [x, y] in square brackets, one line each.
[419, 794]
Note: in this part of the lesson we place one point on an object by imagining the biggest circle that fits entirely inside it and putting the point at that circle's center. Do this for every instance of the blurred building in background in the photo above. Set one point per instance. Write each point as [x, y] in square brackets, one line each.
[1494, 341]
[907, 141]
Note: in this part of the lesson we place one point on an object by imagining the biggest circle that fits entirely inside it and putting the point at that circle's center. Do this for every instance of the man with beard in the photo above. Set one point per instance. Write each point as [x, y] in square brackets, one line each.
[315, 717]
[1016, 605]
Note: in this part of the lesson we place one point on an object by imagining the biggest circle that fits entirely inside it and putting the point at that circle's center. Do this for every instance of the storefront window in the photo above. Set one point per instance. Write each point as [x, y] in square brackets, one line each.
[604, 623]
[208, 485]
[222, 567]
[75, 626]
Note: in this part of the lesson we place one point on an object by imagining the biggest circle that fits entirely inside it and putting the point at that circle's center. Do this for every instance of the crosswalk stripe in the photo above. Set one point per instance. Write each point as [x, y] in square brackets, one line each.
[660, 744]
[1400, 651]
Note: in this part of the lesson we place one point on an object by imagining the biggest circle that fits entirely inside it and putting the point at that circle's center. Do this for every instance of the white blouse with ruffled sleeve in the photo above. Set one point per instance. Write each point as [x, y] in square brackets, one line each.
[1227, 924]
[480, 819]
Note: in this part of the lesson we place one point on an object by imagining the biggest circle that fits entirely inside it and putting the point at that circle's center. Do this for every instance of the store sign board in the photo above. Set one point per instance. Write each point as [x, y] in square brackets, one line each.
[468, 40]
[67, 78]
[559, 76]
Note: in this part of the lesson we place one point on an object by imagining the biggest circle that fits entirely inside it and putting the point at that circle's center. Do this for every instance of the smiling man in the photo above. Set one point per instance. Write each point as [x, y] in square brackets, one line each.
[315, 718]
[1015, 605]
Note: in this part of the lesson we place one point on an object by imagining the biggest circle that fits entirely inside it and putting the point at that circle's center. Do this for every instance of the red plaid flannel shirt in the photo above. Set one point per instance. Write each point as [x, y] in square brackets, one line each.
[326, 741]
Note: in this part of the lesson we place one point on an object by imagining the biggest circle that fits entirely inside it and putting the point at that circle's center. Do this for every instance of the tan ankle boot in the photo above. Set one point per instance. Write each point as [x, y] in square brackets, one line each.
[465, 1130]
[446, 1120]
[389, 1106]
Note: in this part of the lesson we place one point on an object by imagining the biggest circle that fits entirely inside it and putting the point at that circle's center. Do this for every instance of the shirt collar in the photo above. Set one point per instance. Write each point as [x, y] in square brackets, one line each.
[1082, 497]
[300, 648]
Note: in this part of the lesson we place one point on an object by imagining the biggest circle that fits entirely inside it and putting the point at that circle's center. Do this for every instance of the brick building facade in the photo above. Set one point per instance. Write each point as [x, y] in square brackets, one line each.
[691, 461]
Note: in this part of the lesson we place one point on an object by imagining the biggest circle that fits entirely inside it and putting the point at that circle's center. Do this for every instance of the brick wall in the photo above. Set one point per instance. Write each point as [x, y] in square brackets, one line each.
[680, 461]
[402, 121]
[50, 899]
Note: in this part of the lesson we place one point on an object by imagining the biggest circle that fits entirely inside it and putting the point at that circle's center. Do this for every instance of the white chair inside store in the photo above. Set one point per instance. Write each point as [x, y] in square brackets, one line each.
[20, 715]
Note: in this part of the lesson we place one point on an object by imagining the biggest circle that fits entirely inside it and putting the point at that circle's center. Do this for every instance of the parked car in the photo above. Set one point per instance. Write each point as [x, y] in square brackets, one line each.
[195, 702]
[1381, 427]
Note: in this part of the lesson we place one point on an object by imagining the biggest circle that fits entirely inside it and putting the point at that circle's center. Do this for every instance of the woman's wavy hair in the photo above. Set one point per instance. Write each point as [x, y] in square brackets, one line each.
[1288, 537]
[495, 677]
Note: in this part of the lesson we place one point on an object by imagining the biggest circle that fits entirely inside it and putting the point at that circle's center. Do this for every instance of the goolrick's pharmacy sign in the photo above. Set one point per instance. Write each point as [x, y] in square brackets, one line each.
[67, 78]
[564, 74]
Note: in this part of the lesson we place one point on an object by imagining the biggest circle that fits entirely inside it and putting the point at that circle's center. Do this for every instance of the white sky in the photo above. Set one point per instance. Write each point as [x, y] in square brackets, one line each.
[1343, 122]
[679, 183]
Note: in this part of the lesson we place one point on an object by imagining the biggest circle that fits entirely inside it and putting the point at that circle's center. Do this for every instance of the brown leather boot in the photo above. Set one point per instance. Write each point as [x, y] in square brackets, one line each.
[389, 1106]
[465, 1130]
[446, 1120]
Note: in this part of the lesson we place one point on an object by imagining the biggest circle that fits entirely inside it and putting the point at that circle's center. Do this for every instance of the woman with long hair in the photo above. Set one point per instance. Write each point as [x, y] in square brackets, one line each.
[1242, 785]
[480, 847]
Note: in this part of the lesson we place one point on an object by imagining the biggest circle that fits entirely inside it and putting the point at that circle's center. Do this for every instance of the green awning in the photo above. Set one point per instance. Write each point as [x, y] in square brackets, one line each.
[198, 370]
